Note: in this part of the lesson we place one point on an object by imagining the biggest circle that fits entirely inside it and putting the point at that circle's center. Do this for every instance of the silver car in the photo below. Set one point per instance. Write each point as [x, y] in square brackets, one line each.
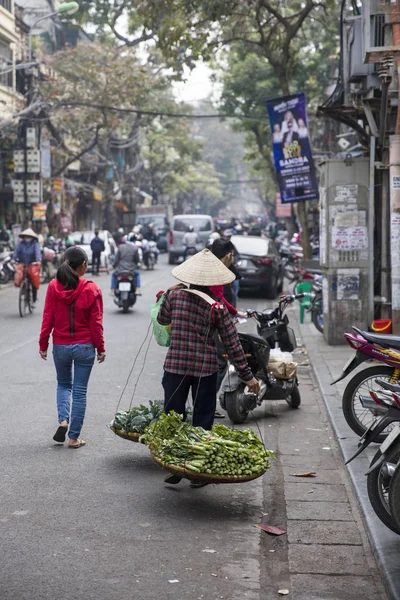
[203, 226]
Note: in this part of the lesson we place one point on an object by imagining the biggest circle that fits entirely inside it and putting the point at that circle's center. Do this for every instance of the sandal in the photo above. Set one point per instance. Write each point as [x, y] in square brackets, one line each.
[79, 444]
[218, 415]
[60, 434]
[172, 478]
[195, 483]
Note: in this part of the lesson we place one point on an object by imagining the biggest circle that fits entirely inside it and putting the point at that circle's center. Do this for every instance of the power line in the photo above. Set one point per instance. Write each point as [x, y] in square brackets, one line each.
[154, 113]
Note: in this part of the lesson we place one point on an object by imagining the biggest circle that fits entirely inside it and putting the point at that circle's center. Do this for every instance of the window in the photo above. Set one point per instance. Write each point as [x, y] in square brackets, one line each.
[199, 224]
[6, 61]
[6, 4]
[252, 246]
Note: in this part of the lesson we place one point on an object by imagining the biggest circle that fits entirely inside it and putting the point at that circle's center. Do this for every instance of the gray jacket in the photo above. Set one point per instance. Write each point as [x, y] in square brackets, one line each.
[126, 258]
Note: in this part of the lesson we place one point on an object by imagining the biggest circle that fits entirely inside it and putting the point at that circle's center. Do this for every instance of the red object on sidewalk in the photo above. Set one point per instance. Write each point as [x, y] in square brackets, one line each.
[382, 326]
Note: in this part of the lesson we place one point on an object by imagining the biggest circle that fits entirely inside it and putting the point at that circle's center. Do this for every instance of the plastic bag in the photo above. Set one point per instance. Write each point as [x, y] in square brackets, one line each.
[34, 274]
[162, 333]
[276, 355]
[19, 274]
[283, 370]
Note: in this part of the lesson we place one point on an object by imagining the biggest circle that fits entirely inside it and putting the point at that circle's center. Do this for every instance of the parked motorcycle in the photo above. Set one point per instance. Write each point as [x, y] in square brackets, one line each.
[125, 292]
[273, 332]
[7, 270]
[317, 310]
[381, 493]
[368, 346]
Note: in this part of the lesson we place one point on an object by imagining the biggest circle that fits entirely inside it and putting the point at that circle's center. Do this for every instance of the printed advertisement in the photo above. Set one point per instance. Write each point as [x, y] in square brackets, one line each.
[348, 284]
[282, 211]
[349, 238]
[292, 148]
[395, 240]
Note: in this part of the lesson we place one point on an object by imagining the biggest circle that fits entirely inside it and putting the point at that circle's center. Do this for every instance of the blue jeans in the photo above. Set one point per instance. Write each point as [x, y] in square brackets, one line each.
[114, 279]
[236, 286]
[81, 356]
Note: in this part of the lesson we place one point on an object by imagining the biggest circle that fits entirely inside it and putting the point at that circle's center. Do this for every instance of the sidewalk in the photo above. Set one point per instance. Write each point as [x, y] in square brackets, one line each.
[327, 363]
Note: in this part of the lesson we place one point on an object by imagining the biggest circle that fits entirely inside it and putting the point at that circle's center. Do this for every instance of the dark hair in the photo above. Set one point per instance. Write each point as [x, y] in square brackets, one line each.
[73, 258]
[221, 247]
[96, 232]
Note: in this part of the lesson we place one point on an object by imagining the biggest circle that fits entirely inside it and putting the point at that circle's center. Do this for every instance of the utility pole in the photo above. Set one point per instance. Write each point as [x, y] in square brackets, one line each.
[394, 187]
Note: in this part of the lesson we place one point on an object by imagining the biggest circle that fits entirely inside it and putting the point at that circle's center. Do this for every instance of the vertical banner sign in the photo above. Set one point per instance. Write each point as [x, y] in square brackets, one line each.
[282, 211]
[292, 148]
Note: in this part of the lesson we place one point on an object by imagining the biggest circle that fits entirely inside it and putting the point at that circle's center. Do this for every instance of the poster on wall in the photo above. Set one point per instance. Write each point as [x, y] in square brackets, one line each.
[292, 148]
[282, 211]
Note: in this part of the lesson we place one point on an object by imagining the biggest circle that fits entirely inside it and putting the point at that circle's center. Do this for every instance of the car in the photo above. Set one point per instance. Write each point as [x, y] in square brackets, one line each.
[259, 264]
[83, 239]
[203, 225]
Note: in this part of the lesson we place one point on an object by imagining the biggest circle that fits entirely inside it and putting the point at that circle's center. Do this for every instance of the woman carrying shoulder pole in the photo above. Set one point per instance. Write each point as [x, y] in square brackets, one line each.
[73, 311]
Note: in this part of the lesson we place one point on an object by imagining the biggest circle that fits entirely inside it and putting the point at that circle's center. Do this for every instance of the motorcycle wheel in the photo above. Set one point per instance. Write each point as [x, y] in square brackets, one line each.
[125, 306]
[234, 406]
[394, 496]
[357, 417]
[379, 487]
[294, 400]
[4, 277]
[318, 318]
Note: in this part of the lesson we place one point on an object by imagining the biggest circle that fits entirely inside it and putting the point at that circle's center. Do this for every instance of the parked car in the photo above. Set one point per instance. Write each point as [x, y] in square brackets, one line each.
[161, 223]
[83, 239]
[259, 264]
[203, 225]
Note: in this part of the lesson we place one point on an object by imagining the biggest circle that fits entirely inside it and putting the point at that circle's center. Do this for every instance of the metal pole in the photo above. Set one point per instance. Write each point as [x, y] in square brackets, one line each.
[371, 222]
[32, 28]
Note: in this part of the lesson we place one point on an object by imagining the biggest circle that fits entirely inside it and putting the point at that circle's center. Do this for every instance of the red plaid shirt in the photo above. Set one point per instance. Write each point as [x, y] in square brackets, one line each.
[192, 350]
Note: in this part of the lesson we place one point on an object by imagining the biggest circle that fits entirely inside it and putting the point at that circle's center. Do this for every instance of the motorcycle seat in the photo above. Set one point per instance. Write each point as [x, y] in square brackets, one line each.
[391, 341]
[253, 338]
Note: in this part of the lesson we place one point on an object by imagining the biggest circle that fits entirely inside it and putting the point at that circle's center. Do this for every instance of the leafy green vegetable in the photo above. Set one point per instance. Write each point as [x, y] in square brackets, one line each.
[138, 418]
[223, 451]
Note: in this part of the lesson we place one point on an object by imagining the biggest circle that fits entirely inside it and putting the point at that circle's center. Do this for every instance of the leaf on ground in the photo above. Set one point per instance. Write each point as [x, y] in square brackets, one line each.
[209, 550]
[173, 580]
[308, 474]
[271, 529]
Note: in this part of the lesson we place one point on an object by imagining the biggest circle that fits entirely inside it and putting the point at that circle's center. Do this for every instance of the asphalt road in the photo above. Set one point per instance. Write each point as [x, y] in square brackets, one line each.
[99, 522]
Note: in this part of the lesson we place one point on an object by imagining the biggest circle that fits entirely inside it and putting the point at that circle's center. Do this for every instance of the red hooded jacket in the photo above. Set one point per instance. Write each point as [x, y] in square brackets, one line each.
[74, 316]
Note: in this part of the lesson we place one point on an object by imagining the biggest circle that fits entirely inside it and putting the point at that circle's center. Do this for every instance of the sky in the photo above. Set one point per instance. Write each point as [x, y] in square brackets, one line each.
[197, 86]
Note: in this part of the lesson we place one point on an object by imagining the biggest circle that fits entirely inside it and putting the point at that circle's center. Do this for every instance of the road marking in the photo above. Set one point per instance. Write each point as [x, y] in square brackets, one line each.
[18, 346]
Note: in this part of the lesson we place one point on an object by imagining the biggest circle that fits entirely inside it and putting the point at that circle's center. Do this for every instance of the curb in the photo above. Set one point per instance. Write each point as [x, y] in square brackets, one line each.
[384, 543]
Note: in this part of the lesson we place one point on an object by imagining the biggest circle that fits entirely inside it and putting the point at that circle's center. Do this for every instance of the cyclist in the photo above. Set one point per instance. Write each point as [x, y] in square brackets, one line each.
[28, 252]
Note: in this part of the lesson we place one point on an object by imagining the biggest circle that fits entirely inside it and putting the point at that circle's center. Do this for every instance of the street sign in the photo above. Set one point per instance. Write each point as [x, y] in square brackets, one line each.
[31, 137]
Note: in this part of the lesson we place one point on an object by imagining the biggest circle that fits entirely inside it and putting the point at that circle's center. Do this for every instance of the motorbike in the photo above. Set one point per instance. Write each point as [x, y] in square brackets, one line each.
[272, 332]
[125, 292]
[368, 346]
[150, 254]
[316, 309]
[383, 489]
[190, 251]
[7, 270]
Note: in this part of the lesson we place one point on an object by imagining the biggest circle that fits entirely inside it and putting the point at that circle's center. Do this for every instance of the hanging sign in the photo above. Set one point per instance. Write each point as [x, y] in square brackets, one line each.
[292, 148]
[282, 211]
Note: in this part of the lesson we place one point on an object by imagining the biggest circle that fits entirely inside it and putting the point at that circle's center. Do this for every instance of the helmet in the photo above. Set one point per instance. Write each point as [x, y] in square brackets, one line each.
[65, 230]
[191, 228]
[121, 230]
[136, 229]
[51, 239]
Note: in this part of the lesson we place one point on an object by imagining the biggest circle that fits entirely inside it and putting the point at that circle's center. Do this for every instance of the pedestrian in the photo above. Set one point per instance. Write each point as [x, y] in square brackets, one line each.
[73, 311]
[97, 247]
[28, 253]
[191, 362]
[223, 249]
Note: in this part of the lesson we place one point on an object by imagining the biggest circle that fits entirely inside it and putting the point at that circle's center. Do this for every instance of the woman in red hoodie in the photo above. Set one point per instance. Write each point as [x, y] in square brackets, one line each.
[74, 312]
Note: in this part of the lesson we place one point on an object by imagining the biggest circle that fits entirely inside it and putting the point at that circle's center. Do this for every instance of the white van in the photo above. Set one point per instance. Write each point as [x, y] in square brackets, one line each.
[203, 225]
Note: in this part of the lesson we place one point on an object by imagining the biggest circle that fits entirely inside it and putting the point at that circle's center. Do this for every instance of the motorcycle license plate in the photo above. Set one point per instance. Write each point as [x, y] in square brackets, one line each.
[393, 435]
[124, 286]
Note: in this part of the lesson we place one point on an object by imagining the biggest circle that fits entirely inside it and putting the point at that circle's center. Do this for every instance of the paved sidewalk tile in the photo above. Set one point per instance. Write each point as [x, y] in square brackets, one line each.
[333, 587]
[308, 492]
[327, 559]
[319, 511]
[327, 532]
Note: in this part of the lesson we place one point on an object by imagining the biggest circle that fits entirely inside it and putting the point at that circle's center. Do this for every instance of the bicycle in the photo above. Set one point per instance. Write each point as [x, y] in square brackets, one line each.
[25, 295]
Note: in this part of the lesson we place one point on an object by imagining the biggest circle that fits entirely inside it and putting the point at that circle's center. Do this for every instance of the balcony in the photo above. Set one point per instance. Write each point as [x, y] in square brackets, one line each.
[7, 5]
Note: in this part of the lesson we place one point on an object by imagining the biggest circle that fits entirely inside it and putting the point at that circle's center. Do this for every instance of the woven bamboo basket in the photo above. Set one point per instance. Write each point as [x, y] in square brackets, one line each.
[205, 477]
[132, 437]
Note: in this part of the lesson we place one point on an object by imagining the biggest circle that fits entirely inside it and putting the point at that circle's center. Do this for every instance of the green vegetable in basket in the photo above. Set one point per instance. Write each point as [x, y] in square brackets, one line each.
[223, 451]
[138, 418]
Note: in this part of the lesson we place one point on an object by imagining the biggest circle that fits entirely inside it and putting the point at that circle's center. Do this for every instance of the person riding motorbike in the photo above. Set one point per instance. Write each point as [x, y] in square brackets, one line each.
[66, 239]
[126, 261]
[190, 239]
[28, 252]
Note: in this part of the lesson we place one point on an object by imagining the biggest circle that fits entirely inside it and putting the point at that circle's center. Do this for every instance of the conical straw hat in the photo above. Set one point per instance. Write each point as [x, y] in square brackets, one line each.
[203, 269]
[29, 233]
